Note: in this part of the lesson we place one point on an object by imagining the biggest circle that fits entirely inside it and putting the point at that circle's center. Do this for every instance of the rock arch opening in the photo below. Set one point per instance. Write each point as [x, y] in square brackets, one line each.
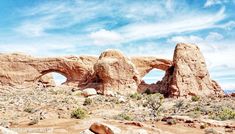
[58, 78]
[149, 81]
[153, 76]
[52, 78]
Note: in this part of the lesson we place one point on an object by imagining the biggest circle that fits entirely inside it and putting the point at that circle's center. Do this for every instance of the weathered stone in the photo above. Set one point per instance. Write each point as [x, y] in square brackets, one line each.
[116, 72]
[188, 75]
[89, 92]
[87, 131]
[101, 128]
[19, 69]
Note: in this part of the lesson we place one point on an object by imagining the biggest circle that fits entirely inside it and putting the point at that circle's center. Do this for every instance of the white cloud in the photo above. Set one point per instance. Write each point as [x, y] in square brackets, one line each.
[103, 37]
[213, 36]
[210, 3]
[179, 25]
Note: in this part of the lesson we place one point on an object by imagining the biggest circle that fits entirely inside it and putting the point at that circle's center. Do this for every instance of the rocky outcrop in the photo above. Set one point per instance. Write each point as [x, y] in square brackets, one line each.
[19, 69]
[112, 71]
[188, 75]
[116, 72]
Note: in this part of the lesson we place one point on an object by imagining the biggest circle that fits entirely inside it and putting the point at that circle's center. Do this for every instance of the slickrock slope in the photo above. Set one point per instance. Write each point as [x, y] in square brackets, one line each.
[185, 75]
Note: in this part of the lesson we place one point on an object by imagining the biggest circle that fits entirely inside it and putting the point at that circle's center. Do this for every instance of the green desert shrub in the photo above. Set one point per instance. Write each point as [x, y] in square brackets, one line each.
[136, 96]
[226, 114]
[124, 116]
[179, 104]
[79, 113]
[195, 98]
[154, 102]
[29, 110]
[87, 101]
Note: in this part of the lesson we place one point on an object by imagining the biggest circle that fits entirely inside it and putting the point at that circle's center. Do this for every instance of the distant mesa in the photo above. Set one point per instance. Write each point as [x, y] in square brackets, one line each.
[185, 75]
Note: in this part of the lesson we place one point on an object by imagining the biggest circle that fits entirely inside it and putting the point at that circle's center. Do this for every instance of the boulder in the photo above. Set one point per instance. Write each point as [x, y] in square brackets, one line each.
[116, 72]
[89, 92]
[87, 131]
[101, 128]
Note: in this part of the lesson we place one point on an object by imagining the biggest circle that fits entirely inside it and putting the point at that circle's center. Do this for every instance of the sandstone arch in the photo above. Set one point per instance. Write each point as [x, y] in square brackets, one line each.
[19, 69]
[145, 64]
[185, 75]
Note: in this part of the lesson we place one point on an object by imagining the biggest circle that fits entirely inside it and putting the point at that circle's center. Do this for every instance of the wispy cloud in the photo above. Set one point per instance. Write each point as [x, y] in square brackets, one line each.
[178, 25]
[210, 3]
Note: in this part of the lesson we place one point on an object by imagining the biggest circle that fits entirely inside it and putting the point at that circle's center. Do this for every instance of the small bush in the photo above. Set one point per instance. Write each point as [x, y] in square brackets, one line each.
[79, 113]
[179, 104]
[226, 114]
[87, 101]
[154, 102]
[195, 98]
[125, 116]
[136, 96]
[29, 110]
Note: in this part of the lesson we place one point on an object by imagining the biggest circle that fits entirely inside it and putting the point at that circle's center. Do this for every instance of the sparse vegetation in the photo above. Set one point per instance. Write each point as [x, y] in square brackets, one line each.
[79, 113]
[224, 114]
[124, 116]
[136, 96]
[87, 101]
[154, 102]
[195, 98]
[179, 104]
[29, 110]
[195, 113]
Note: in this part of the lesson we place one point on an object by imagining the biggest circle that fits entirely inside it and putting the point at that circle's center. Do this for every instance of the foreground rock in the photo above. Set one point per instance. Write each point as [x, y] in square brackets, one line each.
[89, 92]
[101, 128]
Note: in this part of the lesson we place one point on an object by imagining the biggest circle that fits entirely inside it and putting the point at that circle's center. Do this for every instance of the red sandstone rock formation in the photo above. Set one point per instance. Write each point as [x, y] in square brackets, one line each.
[18, 69]
[186, 75]
[116, 72]
[145, 64]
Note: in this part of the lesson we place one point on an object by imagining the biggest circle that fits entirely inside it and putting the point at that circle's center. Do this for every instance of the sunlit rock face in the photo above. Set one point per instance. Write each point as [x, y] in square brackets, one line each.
[188, 75]
[117, 72]
[185, 75]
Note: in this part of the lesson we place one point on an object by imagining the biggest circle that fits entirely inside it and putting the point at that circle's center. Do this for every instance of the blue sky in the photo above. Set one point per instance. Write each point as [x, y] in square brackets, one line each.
[142, 27]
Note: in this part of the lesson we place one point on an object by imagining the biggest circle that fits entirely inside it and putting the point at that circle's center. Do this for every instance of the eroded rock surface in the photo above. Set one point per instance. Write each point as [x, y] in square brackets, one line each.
[188, 75]
[116, 72]
[112, 71]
